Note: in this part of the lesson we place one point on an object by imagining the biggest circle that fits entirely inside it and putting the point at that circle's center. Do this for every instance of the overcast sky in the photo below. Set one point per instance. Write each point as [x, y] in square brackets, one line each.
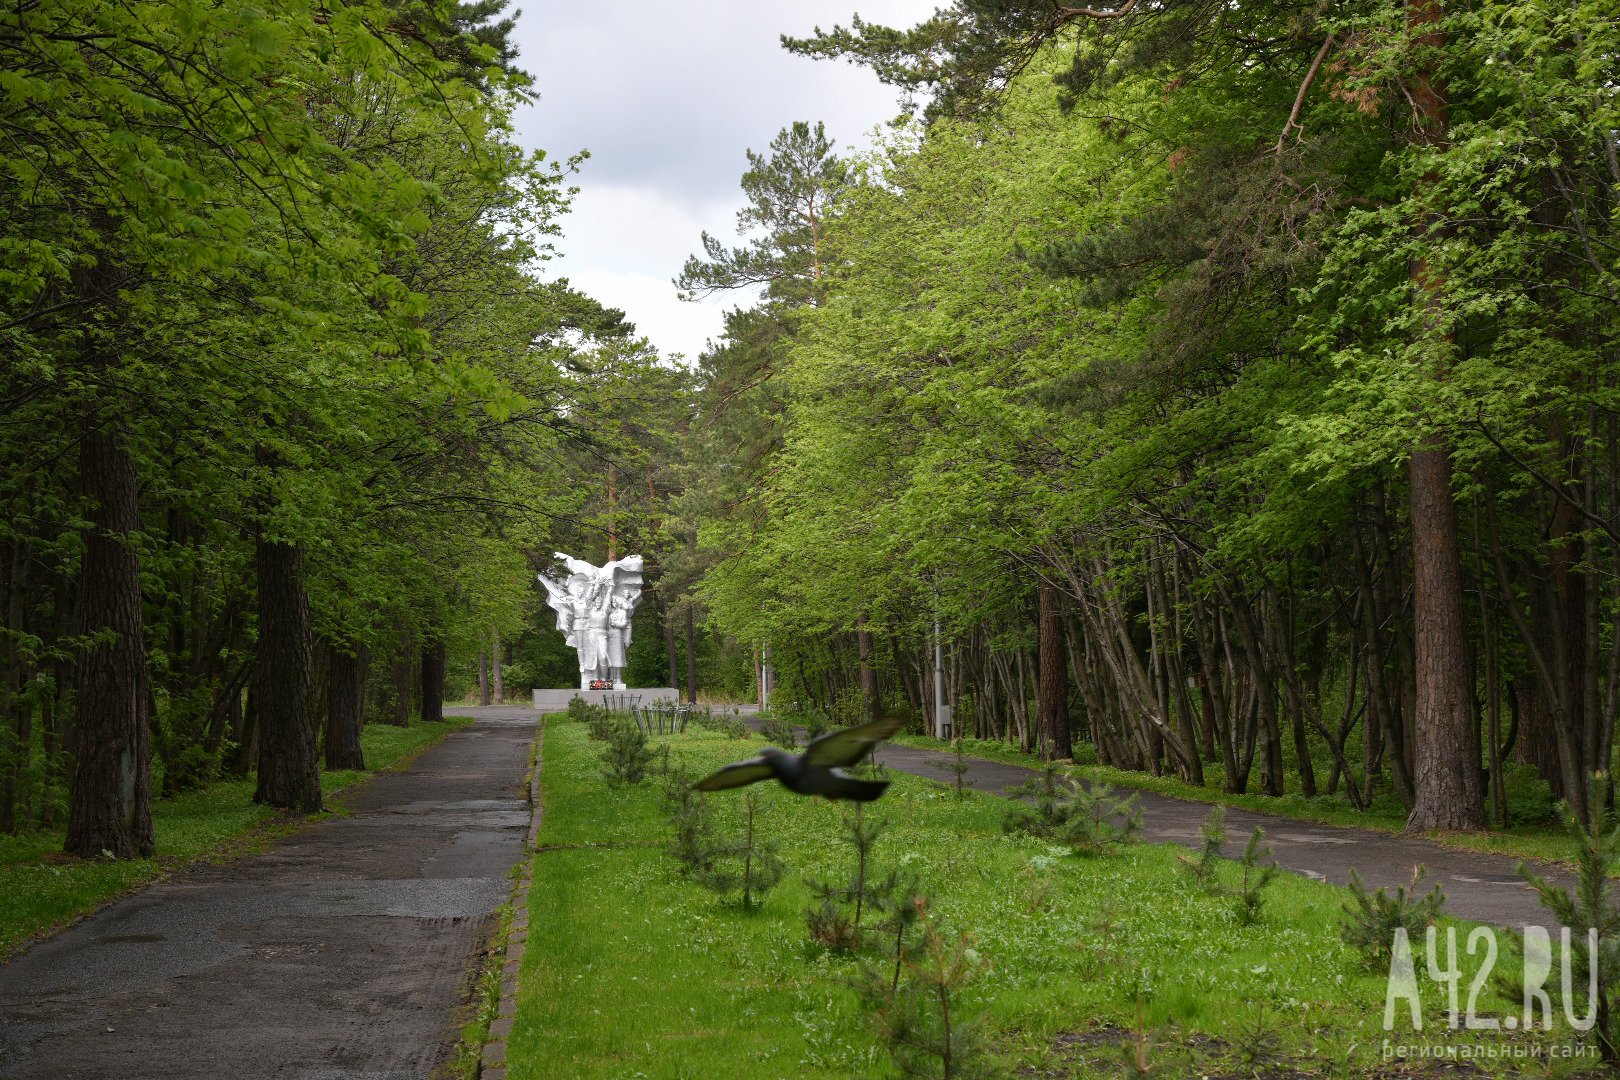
[667, 97]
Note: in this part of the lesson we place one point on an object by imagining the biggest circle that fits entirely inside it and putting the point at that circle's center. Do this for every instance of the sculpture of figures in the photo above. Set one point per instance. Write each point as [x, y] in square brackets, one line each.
[594, 606]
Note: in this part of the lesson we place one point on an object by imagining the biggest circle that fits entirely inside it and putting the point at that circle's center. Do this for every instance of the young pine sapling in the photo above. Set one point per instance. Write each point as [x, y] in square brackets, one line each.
[1211, 838]
[1250, 892]
[836, 921]
[1591, 909]
[957, 765]
[920, 1014]
[1371, 918]
[1095, 819]
[627, 755]
[749, 864]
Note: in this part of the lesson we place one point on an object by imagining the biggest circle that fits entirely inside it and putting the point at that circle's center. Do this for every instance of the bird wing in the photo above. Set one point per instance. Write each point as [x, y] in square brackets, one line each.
[846, 746]
[741, 774]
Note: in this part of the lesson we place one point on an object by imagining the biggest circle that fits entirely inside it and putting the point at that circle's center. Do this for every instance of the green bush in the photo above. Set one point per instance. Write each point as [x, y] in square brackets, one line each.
[1530, 801]
[627, 755]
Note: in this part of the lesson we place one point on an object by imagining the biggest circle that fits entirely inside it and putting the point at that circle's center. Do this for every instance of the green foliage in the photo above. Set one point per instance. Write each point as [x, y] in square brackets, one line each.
[627, 756]
[957, 765]
[691, 820]
[781, 732]
[920, 1014]
[1050, 811]
[1371, 918]
[1591, 907]
[748, 864]
[836, 921]
[1249, 892]
[1089, 819]
[755, 1005]
[1211, 838]
[1094, 820]
[1530, 799]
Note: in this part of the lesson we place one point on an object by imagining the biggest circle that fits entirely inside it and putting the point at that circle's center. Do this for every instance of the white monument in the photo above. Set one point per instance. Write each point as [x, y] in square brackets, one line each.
[594, 605]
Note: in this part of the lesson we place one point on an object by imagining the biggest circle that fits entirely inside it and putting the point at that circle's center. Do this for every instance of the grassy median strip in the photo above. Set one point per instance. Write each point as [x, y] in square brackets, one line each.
[41, 889]
[632, 970]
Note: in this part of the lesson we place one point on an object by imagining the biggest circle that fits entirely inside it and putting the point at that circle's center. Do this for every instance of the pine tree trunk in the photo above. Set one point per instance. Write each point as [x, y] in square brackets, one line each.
[109, 807]
[669, 647]
[402, 679]
[1052, 699]
[869, 687]
[346, 689]
[433, 658]
[1446, 774]
[691, 656]
[496, 674]
[483, 678]
[289, 776]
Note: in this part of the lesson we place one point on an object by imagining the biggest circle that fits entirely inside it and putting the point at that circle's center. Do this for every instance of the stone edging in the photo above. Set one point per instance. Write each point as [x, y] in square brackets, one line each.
[492, 1062]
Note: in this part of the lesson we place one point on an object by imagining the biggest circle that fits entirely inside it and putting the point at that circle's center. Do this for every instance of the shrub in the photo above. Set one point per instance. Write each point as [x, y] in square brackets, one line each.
[1591, 907]
[1250, 892]
[627, 754]
[1530, 801]
[749, 864]
[694, 841]
[1094, 819]
[779, 731]
[1049, 812]
[1211, 837]
[918, 1013]
[835, 922]
[1371, 918]
[957, 765]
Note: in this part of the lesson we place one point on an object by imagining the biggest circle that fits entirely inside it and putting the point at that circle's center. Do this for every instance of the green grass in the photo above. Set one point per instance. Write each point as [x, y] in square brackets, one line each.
[1548, 842]
[40, 890]
[633, 971]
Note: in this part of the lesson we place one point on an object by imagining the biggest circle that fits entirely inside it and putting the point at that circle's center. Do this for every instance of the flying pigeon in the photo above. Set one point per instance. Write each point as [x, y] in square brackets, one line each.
[817, 771]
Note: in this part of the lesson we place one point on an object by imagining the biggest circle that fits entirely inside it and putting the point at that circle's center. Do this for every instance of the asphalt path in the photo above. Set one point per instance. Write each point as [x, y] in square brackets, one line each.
[1479, 887]
[343, 952]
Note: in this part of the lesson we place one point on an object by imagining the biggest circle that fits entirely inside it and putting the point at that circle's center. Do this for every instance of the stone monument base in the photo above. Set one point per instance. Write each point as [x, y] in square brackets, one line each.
[557, 700]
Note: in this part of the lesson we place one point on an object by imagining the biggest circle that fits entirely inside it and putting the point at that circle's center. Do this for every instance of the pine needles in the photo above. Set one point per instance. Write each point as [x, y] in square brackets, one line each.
[1371, 918]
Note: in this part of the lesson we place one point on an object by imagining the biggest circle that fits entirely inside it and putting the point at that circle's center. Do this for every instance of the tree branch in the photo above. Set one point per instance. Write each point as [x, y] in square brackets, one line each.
[1304, 88]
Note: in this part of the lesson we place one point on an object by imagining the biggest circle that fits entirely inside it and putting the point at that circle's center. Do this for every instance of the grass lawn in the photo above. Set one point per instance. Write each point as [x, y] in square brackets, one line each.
[1525, 842]
[40, 889]
[632, 970]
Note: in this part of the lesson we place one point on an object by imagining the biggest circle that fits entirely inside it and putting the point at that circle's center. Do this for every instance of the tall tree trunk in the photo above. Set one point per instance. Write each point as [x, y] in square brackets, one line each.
[691, 656]
[1446, 774]
[669, 645]
[1052, 700]
[433, 659]
[14, 705]
[109, 805]
[496, 663]
[869, 687]
[289, 774]
[346, 687]
[483, 678]
[402, 678]
[1445, 738]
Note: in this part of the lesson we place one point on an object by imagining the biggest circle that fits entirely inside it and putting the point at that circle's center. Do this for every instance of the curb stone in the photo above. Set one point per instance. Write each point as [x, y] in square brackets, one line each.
[492, 1062]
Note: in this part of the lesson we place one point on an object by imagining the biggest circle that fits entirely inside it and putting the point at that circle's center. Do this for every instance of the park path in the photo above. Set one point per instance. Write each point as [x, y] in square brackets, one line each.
[1479, 887]
[343, 952]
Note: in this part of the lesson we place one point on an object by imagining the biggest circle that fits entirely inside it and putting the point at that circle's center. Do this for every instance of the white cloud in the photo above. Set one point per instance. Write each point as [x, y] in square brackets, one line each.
[667, 98]
[674, 326]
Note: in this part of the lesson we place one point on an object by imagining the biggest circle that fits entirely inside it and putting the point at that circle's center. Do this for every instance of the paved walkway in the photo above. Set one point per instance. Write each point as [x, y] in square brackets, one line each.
[340, 953]
[1482, 888]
